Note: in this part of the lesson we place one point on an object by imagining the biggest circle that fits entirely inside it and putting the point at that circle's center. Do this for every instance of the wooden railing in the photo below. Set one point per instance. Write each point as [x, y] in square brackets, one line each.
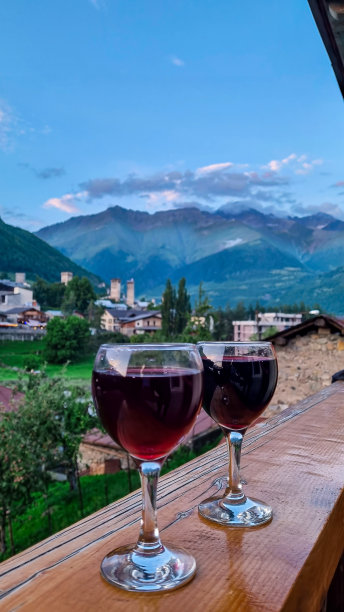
[294, 461]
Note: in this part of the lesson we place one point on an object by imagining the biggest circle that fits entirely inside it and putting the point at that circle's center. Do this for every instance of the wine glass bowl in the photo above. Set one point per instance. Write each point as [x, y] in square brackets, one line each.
[239, 381]
[147, 398]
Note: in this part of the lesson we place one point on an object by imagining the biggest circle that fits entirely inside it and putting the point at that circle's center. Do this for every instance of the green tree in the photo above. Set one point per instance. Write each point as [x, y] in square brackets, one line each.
[94, 315]
[240, 312]
[199, 326]
[28, 445]
[69, 411]
[168, 310]
[79, 293]
[66, 339]
[270, 331]
[203, 307]
[223, 324]
[183, 307]
[48, 294]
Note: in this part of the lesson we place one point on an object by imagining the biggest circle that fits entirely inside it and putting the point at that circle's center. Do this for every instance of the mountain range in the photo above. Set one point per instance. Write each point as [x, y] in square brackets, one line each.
[22, 251]
[245, 256]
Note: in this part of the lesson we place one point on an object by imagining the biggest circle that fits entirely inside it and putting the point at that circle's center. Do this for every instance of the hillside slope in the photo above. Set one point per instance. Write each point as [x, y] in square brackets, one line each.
[22, 251]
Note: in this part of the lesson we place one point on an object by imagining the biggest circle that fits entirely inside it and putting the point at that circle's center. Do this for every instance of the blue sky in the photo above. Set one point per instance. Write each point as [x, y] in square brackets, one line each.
[156, 104]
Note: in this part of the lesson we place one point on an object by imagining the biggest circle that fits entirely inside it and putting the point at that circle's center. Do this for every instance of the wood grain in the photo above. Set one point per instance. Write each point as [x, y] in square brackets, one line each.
[294, 461]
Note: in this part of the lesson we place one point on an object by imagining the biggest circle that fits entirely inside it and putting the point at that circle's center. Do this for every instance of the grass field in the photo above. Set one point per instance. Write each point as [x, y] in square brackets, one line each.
[15, 355]
[59, 507]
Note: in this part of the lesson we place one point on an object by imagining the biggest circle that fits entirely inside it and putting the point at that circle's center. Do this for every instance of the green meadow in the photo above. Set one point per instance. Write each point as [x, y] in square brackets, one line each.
[16, 355]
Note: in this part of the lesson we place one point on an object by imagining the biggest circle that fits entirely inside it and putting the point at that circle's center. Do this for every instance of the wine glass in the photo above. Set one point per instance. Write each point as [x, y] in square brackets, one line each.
[147, 397]
[239, 381]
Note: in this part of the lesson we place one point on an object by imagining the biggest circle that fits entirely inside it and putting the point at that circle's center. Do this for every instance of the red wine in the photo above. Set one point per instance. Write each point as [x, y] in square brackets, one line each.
[238, 389]
[148, 413]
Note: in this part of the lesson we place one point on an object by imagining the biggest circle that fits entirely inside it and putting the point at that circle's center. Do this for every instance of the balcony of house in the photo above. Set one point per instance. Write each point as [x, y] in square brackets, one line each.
[294, 460]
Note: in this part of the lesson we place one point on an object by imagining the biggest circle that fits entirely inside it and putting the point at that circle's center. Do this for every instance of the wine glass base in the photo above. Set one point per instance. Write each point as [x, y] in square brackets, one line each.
[243, 513]
[134, 570]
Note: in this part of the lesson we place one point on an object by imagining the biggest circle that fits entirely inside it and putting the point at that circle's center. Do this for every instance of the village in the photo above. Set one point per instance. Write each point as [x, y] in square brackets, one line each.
[309, 351]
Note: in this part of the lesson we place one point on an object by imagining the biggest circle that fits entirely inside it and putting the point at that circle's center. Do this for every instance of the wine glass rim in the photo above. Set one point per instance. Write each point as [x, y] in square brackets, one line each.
[146, 346]
[235, 343]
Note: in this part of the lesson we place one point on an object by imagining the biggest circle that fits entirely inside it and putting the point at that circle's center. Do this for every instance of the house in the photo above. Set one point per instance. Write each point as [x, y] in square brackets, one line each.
[112, 317]
[101, 455]
[13, 295]
[145, 322]
[23, 316]
[51, 314]
[129, 322]
[308, 354]
[244, 330]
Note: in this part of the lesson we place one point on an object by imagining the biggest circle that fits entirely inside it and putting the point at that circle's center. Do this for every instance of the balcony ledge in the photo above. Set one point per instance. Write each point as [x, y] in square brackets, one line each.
[294, 461]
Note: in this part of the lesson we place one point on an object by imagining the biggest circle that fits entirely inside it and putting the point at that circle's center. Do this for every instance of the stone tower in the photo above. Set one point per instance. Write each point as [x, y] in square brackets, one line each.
[115, 290]
[130, 293]
[20, 277]
[66, 277]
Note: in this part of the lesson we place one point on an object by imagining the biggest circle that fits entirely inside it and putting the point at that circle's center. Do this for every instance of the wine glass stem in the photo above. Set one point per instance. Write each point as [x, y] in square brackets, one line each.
[149, 539]
[234, 442]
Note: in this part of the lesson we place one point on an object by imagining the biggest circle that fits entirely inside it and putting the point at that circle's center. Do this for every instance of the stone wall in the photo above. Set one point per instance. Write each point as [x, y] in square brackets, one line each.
[306, 365]
[101, 460]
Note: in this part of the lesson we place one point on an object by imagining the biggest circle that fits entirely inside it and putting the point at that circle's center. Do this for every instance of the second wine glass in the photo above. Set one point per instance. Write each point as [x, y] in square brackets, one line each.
[239, 381]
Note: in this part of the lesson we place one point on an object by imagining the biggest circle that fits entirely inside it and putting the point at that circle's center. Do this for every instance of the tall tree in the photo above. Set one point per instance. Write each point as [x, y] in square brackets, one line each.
[78, 295]
[202, 304]
[48, 294]
[183, 307]
[66, 339]
[168, 310]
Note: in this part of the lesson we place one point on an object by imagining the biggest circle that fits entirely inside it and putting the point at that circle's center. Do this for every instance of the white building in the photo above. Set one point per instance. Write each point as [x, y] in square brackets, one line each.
[14, 295]
[244, 330]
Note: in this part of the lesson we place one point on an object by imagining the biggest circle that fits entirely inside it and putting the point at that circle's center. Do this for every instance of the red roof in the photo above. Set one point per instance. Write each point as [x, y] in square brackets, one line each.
[98, 438]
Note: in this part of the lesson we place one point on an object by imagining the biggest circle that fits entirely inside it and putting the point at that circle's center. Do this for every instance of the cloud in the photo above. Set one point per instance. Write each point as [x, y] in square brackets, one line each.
[193, 204]
[48, 173]
[213, 168]
[275, 165]
[65, 203]
[208, 188]
[13, 126]
[299, 163]
[15, 215]
[45, 173]
[8, 124]
[97, 4]
[329, 208]
[207, 183]
[176, 61]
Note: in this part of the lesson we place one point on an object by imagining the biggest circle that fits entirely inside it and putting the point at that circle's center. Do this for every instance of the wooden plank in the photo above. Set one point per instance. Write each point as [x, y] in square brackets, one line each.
[294, 461]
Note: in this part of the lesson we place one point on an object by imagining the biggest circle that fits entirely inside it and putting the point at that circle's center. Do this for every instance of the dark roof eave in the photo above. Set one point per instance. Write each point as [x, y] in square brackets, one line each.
[331, 322]
[332, 44]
